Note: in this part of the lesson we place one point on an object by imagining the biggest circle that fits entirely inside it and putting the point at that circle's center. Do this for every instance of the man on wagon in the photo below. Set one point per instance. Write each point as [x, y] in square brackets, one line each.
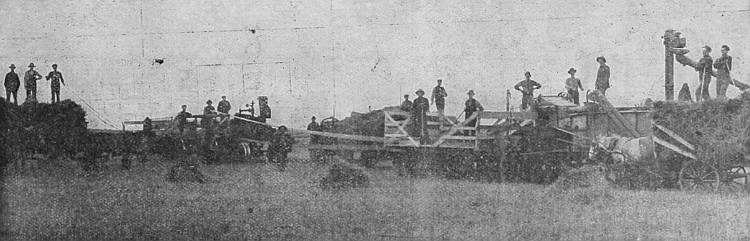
[224, 105]
[527, 88]
[602, 75]
[471, 106]
[209, 112]
[182, 118]
[419, 110]
[438, 97]
[572, 84]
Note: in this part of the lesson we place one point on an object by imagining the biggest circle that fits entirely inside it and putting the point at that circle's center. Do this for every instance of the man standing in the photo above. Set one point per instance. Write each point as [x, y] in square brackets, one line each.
[419, 110]
[29, 82]
[406, 105]
[182, 118]
[57, 78]
[224, 105]
[723, 65]
[704, 68]
[472, 105]
[438, 97]
[11, 84]
[281, 145]
[209, 113]
[573, 84]
[602, 76]
[313, 126]
[527, 88]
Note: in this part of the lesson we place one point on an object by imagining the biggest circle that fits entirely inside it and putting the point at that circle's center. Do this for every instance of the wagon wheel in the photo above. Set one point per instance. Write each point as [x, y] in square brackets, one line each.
[733, 179]
[698, 176]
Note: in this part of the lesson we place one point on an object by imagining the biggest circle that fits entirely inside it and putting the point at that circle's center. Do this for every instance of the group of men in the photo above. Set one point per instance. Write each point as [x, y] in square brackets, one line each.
[705, 66]
[208, 112]
[13, 83]
[420, 106]
[573, 84]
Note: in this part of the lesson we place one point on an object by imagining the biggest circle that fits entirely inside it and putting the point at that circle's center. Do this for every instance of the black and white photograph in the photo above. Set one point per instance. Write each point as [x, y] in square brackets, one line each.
[375, 120]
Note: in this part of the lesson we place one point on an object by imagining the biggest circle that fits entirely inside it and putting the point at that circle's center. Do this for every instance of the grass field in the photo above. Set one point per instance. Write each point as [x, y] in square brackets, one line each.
[253, 201]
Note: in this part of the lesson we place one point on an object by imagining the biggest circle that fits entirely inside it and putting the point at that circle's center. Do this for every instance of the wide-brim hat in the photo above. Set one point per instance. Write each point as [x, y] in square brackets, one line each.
[471, 92]
[209, 102]
[54, 65]
[12, 66]
[32, 65]
[572, 70]
[527, 73]
[602, 58]
[419, 91]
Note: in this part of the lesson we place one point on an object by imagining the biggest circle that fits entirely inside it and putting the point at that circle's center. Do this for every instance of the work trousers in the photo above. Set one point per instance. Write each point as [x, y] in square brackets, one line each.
[526, 101]
[573, 94]
[8, 93]
[701, 93]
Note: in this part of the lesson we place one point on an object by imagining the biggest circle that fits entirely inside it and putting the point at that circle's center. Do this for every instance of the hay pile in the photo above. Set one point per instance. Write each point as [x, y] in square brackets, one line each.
[47, 128]
[343, 174]
[367, 124]
[716, 128]
[585, 185]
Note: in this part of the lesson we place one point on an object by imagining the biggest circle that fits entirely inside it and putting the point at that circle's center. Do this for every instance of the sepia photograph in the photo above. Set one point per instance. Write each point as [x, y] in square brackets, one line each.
[375, 120]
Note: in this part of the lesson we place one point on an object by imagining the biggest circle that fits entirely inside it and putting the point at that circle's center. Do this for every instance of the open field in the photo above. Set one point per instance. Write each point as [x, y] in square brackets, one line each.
[253, 201]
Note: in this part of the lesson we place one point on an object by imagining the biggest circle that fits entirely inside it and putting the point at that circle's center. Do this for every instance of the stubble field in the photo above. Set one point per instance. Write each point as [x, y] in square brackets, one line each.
[253, 201]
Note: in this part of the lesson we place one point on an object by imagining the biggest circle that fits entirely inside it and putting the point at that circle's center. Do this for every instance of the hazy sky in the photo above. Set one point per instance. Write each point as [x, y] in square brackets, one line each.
[317, 57]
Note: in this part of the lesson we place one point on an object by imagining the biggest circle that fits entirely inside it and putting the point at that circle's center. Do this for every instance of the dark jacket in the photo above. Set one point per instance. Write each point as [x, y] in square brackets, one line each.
[12, 82]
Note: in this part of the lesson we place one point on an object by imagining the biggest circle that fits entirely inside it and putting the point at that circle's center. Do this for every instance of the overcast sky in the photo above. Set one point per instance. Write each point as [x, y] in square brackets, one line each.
[317, 57]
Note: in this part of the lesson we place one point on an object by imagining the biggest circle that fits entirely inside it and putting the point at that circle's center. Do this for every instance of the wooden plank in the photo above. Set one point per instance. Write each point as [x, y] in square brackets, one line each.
[673, 147]
[505, 115]
[454, 128]
[612, 112]
[401, 129]
[571, 133]
[500, 122]
[349, 147]
[671, 133]
[454, 145]
[467, 138]
[395, 135]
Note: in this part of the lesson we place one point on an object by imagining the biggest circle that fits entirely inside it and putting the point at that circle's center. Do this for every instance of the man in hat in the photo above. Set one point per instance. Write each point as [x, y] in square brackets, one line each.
[472, 105]
[12, 82]
[438, 97]
[281, 146]
[29, 82]
[57, 78]
[602, 76]
[419, 110]
[723, 65]
[209, 112]
[527, 88]
[224, 105]
[705, 69]
[572, 84]
[182, 118]
[406, 105]
[313, 126]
